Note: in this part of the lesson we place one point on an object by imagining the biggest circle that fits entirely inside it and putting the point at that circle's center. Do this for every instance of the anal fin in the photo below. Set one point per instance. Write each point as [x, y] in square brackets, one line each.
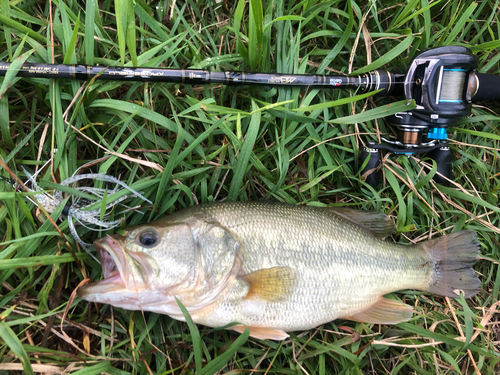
[384, 311]
[262, 333]
[270, 284]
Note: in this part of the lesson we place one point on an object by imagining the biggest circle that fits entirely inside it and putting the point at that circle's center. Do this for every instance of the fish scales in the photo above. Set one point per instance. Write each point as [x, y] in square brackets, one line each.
[277, 267]
[333, 256]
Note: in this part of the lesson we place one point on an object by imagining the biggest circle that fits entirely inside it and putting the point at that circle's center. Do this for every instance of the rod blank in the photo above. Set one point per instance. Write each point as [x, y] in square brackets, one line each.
[371, 81]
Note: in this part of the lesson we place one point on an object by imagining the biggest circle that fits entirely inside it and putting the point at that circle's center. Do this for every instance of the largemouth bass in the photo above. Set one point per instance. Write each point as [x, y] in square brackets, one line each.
[277, 267]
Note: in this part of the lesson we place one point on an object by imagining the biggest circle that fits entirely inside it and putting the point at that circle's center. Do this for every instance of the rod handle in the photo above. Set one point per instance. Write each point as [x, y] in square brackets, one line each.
[488, 87]
[370, 169]
[442, 157]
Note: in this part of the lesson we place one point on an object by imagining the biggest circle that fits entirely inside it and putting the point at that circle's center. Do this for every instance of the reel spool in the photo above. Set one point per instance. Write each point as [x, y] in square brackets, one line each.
[442, 81]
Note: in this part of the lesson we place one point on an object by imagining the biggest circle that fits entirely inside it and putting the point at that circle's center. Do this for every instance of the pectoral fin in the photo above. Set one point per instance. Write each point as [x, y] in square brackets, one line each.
[384, 311]
[262, 333]
[270, 284]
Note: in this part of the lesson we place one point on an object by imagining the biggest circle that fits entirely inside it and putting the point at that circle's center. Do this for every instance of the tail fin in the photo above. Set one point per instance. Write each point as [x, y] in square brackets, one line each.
[452, 259]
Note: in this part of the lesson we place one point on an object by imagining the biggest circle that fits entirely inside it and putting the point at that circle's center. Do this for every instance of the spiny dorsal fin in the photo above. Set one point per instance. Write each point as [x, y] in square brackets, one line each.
[270, 284]
[375, 222]
[384, 311]
[262, 333]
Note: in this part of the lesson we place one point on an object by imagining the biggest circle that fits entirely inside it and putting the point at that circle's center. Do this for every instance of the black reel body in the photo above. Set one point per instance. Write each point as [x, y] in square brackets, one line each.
[442, 81]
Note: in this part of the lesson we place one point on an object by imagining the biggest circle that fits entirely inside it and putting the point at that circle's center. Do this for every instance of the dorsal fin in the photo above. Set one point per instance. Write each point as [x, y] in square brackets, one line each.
[271, 284]
[375, 222]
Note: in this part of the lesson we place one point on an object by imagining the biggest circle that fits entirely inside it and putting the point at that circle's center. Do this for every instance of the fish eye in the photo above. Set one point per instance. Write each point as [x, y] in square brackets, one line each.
[147, 238]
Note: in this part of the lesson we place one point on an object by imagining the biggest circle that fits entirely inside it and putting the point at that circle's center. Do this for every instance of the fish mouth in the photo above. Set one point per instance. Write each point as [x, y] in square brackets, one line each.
[113, 263]
[127, 276]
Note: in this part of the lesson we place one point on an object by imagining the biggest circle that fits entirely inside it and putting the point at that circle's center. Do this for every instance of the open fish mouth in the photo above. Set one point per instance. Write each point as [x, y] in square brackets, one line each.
[114, 267]
[112, 262]
[125, 273]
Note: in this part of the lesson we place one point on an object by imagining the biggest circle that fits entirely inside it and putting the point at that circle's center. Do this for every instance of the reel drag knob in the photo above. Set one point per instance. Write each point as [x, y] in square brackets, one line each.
[442, 156]
[369, 170]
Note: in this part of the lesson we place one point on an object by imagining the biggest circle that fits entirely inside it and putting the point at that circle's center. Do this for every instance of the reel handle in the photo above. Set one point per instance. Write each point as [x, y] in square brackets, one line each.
[488, 87]
[373, 157]
[440, 153]
[442, 156]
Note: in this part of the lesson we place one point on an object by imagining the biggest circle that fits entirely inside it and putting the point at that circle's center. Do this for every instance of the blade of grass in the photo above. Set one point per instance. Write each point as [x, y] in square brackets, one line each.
[341, 43]
[10, 22]
[244, 156]
[37, 261]
[121, 11]
[238, 16]
[130, 32]
[195, 337]
[468, 317]
[70, 52]
[14, 68]
[221, 361]
[99, 368]
[444, 338]
[173, 161]
[334, 103]
[460, 24]
[382, 111]
[388, 57]
[5, 10]
[468, 198]
[10, 338]
[402, 218]
[88, 41]
[255, 34]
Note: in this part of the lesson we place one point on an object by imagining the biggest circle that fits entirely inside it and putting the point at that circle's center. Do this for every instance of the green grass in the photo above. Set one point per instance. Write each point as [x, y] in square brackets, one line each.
[215, 143]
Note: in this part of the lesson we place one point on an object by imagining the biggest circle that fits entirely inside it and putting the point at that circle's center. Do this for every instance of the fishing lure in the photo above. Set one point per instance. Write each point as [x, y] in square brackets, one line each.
[82, 210]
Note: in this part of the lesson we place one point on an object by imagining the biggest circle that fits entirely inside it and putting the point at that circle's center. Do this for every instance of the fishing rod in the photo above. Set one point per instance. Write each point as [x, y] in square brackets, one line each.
[443, 82]
[372, 81]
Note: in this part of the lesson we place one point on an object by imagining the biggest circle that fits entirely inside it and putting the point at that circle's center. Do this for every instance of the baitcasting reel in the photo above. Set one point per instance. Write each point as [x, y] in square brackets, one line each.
[443, 82]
